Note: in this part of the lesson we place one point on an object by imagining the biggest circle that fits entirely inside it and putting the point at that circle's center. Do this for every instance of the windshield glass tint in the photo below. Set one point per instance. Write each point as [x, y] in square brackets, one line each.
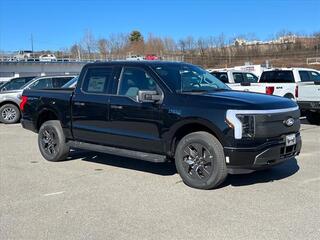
[188, 78]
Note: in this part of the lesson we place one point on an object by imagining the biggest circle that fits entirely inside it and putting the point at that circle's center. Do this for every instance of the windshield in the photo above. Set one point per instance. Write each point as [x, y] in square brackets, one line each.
[189, 78]
[71, 84]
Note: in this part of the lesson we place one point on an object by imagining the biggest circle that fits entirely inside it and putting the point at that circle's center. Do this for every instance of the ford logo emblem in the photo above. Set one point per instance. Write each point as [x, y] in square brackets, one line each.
[289, 122]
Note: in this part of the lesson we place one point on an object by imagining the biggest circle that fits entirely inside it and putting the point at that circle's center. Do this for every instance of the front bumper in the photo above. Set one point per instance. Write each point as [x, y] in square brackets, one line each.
[263, 156]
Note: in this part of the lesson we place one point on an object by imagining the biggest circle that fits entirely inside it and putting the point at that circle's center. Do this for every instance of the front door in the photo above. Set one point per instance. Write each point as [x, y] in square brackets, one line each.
[133, 124]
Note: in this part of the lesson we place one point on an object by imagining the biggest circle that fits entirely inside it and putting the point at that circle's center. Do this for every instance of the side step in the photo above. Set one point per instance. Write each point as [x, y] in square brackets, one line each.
[150, 157]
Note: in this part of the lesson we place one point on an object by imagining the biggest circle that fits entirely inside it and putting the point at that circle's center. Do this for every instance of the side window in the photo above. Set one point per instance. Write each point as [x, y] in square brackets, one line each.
[59, 82]
[133, 80]
[97, 79]
[249, 77]
[223, 77]
[304, 76]
[237, 77]
[315, 76]
[42, 83]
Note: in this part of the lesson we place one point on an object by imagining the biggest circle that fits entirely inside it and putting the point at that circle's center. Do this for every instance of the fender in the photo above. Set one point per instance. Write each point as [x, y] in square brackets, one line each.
[169, 136]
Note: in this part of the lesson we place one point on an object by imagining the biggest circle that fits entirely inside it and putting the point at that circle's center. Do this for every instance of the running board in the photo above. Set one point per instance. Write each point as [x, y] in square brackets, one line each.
[150, 157]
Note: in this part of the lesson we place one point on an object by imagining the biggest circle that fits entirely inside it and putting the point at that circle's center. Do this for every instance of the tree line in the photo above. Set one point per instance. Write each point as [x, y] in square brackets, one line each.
[207, 51]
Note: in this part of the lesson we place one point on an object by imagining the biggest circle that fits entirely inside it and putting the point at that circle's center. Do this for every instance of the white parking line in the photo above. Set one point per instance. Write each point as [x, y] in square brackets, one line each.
[54, 193]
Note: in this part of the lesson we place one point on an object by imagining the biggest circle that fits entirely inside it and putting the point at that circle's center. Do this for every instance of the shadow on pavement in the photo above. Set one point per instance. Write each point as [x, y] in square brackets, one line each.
[165, 169]
[284, 170]
[276, 173]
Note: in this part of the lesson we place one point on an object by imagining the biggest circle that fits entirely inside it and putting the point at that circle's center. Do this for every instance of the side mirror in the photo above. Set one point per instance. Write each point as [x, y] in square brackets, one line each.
[149, 96]
[245, 84]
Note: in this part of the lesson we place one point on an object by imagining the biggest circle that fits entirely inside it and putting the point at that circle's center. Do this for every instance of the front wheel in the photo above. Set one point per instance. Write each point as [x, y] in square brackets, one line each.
[200, 160]
[52, 142]
[9, 113]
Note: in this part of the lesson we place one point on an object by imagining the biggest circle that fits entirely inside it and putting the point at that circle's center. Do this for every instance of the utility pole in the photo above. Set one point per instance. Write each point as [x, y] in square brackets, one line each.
[32, 45]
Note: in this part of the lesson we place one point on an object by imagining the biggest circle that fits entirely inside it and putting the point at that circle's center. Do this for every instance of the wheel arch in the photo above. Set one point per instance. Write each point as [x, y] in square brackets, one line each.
[188, 126]
[46, 114]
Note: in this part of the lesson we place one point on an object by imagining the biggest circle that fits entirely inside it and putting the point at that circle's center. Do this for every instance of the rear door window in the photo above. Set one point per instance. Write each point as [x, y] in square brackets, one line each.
[238, 78]
[281, 76]
[59, 82]
[309, 76]
[249, 77]
[42, 83]
[97, 80]
[314, 76]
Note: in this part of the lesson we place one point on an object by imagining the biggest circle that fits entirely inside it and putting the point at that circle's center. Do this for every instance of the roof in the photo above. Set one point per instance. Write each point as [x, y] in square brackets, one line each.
[137, 62]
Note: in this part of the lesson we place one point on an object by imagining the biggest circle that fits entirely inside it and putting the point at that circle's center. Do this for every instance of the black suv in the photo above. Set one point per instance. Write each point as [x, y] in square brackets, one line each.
[162, 111]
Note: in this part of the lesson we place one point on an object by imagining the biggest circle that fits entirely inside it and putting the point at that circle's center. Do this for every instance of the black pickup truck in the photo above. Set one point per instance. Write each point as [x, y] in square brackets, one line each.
[163, 111]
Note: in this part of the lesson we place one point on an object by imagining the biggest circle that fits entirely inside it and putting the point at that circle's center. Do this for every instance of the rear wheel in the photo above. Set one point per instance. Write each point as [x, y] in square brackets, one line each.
[313, 117]
[52, 142]
[9, 113]
[200, 160]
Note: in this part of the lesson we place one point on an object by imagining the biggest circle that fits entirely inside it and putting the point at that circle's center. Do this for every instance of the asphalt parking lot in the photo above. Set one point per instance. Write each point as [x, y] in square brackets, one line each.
[99, 196]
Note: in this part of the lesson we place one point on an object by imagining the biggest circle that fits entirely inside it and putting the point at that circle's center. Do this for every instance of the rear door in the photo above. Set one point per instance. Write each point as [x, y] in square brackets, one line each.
[90, 105]
[309, 87]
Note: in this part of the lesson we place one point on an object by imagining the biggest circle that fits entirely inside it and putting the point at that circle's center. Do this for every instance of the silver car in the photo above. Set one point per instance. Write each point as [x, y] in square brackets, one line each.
[10, 100]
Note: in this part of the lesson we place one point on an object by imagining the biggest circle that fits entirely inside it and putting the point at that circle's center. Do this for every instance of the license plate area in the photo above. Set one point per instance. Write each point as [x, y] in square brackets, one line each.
[291, 140]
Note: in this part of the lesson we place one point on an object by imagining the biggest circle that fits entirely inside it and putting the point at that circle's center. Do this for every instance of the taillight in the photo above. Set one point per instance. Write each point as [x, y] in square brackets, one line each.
[269, 90]
[296, 92]
[23, 102]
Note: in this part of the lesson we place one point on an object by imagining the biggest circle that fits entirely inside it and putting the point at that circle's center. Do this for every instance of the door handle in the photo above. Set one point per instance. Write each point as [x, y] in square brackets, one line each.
[79, 103]
[116, 107]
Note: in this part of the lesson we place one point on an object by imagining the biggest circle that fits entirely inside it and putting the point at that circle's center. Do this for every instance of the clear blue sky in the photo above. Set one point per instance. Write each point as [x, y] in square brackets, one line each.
[57, 24]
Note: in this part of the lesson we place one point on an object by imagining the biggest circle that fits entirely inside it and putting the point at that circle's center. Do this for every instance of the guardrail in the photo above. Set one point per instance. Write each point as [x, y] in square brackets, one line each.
[314, 60]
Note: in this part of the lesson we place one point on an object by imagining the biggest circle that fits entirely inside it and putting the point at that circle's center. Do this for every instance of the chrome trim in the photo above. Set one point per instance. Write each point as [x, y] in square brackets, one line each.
[231, 116]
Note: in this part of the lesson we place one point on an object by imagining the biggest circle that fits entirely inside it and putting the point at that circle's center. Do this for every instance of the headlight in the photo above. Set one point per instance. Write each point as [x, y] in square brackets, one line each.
[242, 123]
[248, 125]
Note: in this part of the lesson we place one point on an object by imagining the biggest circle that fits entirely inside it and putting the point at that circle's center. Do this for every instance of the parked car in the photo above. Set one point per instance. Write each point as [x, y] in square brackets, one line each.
[281, 82]
[15, 83]
[151, 57]
[47, 58]
[134, 58]
[10, 100]
[162, 111]
[309, 96]
[235, 79]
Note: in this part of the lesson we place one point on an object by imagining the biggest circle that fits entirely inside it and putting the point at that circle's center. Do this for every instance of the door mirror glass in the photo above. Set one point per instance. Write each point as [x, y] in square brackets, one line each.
[149, 96]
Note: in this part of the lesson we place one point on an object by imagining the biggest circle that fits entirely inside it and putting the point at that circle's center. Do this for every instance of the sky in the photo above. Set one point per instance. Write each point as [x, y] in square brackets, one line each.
[57, 24]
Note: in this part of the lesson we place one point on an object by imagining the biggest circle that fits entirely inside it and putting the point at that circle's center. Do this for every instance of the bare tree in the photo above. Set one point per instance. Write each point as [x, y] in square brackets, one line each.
[89, 43]
[103, 48]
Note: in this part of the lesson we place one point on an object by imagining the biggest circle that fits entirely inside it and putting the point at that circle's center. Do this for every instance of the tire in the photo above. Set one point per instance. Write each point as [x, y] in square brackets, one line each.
[52, 142]
[9, 114]
[313, 117]
[200, 160]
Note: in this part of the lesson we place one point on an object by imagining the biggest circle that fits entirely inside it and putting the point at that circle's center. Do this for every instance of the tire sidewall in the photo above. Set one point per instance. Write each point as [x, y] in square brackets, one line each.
[215, 151]
[60, 149]
[17, 110]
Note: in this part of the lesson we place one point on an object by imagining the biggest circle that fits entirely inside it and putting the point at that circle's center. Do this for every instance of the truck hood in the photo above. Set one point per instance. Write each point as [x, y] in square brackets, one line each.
[249, 100]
